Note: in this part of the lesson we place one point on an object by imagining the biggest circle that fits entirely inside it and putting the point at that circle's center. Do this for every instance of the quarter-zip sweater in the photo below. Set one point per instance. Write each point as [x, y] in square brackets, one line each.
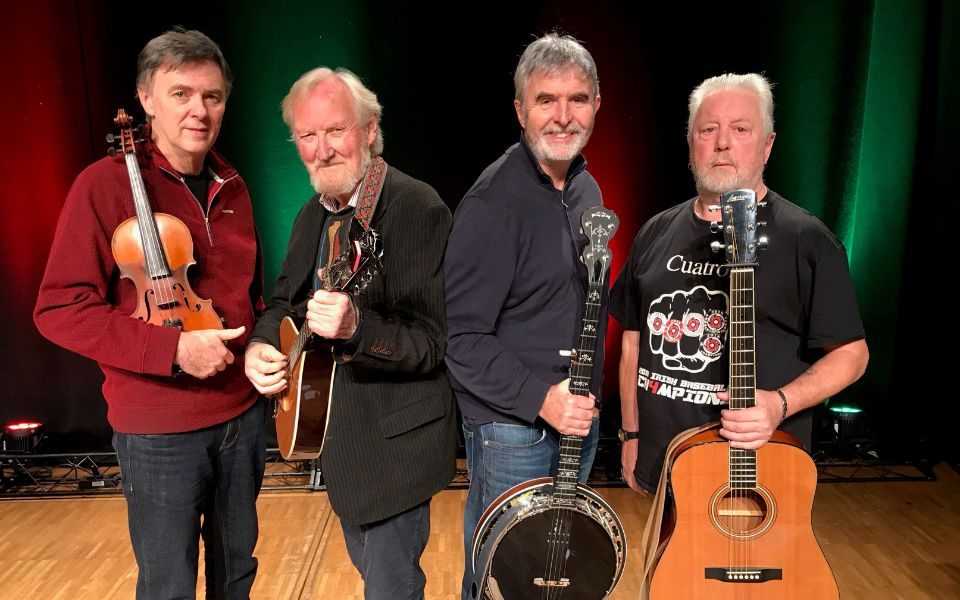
[515, 287]
[85, 306]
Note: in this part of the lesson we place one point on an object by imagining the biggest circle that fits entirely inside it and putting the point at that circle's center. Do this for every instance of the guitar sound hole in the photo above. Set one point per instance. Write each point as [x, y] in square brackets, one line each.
[742, 513]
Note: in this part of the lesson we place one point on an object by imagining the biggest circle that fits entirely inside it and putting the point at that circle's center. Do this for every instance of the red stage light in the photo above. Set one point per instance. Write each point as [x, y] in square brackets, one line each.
[21, 438]
[25, 425]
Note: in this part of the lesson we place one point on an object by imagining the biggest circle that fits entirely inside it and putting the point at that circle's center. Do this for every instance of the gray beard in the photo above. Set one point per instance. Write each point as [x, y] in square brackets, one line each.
[712, 184]
[349, 184]
[543, 151]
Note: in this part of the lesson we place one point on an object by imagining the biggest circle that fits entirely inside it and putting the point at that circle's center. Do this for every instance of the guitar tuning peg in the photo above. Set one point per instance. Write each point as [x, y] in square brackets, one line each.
[762, 204]
[761, 223]
[713, 207]
[762, 242]
[111, 138]
[717, 246]
[112, 151]
[716, 226]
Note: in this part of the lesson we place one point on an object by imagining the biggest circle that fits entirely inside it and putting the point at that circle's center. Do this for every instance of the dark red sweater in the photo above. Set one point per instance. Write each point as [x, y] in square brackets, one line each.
[85, 306]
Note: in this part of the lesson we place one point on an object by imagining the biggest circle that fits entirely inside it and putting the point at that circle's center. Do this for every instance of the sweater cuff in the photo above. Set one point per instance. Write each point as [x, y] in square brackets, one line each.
[160, 351]
[530, 399]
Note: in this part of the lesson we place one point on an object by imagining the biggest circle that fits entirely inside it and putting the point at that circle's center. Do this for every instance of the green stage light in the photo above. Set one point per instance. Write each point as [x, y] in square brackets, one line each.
[846, 409]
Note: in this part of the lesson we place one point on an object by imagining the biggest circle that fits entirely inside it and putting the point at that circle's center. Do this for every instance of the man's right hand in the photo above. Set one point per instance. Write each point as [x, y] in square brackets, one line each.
[265, 367]
[204, 353]
[568, 413]
[628, 461]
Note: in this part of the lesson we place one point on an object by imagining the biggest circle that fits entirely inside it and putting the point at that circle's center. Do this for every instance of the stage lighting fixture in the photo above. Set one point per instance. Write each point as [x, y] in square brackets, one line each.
[21, 438]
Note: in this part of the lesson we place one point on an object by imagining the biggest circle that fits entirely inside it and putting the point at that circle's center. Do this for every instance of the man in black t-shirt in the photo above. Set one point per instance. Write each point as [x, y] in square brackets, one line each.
[671, 298]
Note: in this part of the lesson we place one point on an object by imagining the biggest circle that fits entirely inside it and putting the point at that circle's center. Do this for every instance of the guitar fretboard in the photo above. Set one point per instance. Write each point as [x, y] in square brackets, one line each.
[743, 383]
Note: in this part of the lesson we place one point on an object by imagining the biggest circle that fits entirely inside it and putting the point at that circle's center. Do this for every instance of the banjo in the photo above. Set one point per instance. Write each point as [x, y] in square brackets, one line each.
[554, 537]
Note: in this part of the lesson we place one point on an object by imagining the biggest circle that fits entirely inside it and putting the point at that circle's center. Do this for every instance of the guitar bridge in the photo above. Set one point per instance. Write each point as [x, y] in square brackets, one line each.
[743, 574]
[541, 582]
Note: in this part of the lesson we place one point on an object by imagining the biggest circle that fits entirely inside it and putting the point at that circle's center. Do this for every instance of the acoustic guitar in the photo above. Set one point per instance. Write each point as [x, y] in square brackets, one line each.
[302, 409]
[737, 523]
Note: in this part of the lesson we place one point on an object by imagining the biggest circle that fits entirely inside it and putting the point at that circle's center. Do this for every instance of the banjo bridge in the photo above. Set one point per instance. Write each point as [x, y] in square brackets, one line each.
[541, 582]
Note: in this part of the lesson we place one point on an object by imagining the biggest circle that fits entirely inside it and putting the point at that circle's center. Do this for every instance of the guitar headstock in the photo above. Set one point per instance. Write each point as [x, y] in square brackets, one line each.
[741, 241]
[353, 270]
[599, 225]
[370, 264]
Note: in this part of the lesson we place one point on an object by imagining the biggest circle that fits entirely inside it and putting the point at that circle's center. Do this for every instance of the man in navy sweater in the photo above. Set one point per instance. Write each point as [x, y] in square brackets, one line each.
[515, 285]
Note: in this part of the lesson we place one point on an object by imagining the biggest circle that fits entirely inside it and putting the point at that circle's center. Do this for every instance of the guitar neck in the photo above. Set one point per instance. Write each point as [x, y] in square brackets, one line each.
[743, 384]
[156, 260]
[581, 375]
[350, 285]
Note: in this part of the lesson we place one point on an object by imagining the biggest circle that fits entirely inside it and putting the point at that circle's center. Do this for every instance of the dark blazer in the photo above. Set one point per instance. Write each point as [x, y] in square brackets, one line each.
[391, 441]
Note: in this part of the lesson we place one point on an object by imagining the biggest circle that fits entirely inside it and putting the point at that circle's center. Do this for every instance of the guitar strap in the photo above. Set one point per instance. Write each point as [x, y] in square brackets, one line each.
[650, 546]
[372, 186]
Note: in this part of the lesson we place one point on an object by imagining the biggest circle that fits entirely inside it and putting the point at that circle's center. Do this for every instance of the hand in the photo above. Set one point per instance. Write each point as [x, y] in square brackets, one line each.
[628, 462]
[265, 367]
[750, 428]
[568, 413]
[332, 315]
[203, 353]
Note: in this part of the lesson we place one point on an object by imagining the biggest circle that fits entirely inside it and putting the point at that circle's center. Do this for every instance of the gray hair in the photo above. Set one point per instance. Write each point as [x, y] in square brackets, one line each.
[752, 82]
[551, 53]
[176, 47]
[364, 99]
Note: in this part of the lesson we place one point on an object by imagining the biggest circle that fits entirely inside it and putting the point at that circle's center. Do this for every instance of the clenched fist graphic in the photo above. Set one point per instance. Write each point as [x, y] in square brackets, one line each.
[688, 329]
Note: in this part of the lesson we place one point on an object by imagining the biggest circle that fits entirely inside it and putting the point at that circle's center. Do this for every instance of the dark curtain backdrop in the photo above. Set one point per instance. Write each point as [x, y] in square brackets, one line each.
[865, 94]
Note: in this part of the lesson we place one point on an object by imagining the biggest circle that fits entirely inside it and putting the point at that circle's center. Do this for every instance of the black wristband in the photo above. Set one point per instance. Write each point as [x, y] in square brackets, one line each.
[783, 401]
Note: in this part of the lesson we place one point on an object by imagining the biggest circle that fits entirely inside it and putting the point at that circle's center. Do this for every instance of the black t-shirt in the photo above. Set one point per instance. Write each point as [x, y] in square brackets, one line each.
[199, 186]
[674, 291]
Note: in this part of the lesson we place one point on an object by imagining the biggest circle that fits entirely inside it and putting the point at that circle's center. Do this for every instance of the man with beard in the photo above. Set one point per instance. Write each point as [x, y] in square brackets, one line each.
[809, 337]
[391, 437]
[516, 287]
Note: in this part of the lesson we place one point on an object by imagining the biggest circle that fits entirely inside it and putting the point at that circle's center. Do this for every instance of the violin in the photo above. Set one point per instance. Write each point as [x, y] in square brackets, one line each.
[154, 250]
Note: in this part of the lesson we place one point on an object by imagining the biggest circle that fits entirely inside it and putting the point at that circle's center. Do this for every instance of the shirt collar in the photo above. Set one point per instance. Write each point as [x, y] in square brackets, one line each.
[331, 204]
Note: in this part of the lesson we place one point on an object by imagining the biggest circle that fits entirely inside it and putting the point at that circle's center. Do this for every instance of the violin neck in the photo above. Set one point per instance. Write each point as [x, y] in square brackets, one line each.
[157, 266]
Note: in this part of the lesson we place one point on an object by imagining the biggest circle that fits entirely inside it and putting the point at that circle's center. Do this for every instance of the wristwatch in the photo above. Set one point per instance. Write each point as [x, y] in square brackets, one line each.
[627, 435]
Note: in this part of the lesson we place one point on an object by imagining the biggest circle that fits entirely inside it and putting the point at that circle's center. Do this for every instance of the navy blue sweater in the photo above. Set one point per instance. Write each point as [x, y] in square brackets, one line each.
[515, 287]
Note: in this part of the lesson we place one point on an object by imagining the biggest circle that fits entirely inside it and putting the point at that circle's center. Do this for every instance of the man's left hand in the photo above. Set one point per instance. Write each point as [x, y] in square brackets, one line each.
[332, 315]
[750, 428]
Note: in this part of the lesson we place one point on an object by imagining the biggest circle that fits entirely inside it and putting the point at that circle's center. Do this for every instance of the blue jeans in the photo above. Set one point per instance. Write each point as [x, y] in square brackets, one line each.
[387, 554]
[172, 480]
[502, 455]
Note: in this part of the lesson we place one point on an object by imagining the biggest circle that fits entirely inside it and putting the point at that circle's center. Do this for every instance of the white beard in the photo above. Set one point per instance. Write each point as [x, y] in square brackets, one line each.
[719, 183]
[348, 183]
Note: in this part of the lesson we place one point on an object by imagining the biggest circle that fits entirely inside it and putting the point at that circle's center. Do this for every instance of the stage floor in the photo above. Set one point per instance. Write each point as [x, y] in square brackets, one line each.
[883, 540]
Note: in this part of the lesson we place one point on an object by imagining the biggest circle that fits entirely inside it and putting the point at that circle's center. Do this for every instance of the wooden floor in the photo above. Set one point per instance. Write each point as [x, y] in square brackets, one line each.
[883, 540]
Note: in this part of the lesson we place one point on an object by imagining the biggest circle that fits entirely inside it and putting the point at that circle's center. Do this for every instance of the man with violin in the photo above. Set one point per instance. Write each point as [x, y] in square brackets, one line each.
[188, 427]
[390, 441]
